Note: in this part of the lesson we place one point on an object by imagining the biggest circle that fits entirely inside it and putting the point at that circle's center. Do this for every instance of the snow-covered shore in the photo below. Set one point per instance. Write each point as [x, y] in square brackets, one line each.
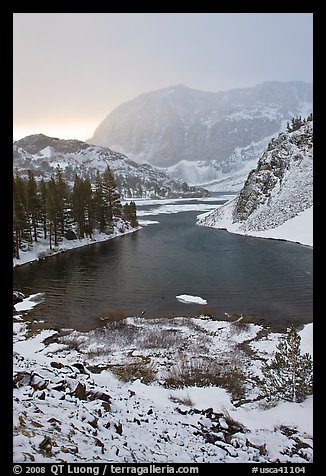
[298, 229]
[41, 248]
[114, 394]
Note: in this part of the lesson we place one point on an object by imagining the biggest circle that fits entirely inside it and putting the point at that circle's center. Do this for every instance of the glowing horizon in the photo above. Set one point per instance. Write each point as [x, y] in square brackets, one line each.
[80, 132]
[65, 84]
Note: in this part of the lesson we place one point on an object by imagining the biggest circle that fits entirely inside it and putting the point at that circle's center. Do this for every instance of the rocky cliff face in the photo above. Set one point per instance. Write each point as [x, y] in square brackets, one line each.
[279, 189]
[43, 155]
[203, 137]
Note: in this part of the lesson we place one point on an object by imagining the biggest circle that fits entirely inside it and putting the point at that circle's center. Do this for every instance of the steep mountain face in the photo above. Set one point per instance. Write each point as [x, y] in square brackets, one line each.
[277, 191]
[203, 137]
[43, 155]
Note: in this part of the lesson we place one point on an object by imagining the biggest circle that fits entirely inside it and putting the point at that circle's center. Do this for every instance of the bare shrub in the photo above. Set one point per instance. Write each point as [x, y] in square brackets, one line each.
[240, 322]
[232, 423]
[183, 400]
[162, 339]
[205, 371]
[141, 368]
[194, 371]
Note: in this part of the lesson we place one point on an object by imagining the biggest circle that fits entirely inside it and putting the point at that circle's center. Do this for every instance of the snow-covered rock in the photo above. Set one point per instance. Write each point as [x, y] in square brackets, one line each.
[203, 137]
[43, 155]
[86, 397]
[277, 198]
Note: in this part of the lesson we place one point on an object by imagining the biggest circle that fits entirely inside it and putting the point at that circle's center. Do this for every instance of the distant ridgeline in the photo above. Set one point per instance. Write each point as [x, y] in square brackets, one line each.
[52, 210]
[43, 155]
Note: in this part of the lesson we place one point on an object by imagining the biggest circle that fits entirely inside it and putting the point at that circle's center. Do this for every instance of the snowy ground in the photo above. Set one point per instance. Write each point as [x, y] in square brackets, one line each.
[41, 248]
[177, 390]
[298, 229]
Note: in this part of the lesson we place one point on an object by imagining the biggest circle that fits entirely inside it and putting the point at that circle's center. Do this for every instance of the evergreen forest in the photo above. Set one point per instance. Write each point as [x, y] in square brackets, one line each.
[54, 210]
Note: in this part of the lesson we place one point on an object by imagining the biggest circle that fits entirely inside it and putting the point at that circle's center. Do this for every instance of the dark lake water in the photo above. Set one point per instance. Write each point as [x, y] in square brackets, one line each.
[143, 272]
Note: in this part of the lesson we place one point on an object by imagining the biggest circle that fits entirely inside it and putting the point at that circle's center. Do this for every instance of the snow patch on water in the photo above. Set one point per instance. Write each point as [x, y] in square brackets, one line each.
[188, 299]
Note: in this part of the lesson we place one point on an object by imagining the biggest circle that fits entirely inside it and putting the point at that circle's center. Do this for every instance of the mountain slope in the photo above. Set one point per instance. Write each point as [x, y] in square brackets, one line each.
[213, 134]
[278, 192]
[43, 154]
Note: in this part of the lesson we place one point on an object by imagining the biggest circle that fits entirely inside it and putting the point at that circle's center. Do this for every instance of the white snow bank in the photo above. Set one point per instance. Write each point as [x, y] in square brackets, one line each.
[187, 299]
[41, 248]
[307, 339]
[149, 422]
[31, 348]
[298, 229]
[267, 345]
[283, 414]
[30, 302]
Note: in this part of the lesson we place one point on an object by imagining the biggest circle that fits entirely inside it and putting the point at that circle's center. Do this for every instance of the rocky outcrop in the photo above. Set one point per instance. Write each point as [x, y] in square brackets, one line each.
[280, 188]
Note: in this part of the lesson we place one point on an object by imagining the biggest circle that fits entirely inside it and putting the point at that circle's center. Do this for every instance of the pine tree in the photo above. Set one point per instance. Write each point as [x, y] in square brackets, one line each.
[99, 203]
[33, 202]
[289, 376]
[89, 206]
[52, 211]
[62, 202]
[133, 214]
[111, 196]
[43, 205]
[20, 216]
[78, 206]
[296, 123]
[82, 206]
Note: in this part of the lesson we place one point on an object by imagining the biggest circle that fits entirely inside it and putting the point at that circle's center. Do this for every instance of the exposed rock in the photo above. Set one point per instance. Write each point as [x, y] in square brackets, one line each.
[38, 383]
[56, 365]
[99, 395]
[46, 445]
[280, 188]
[80, 391]
[21, 379]
[202, 136]
[118, 428]
[17, 297]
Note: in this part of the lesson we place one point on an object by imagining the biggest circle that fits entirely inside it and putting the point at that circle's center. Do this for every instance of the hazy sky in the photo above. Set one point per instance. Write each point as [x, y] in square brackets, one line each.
[72, 69]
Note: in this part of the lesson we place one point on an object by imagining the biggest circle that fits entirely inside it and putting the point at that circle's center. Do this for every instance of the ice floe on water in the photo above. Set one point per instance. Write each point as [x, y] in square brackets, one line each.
[188, 299]
[148, 222]
[29, 302]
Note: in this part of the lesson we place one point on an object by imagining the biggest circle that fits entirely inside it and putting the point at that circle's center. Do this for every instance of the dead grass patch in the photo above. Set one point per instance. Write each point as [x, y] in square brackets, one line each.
[206, 371]
[141, 368]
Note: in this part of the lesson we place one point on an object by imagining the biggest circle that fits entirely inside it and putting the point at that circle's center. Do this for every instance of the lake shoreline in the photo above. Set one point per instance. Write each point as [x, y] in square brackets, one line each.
[66, 246]
[143, 274]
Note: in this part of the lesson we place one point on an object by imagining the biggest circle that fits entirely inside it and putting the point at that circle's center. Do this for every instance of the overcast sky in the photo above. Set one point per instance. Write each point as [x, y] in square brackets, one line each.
[72, 69]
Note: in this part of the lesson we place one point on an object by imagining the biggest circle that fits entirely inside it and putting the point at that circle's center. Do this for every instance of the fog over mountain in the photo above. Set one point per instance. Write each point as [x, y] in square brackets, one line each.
[204, 137]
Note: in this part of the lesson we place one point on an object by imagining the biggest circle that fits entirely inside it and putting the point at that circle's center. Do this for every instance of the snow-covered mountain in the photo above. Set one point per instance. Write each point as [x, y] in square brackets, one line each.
[277, 198]
[204, 137]
[43, 154]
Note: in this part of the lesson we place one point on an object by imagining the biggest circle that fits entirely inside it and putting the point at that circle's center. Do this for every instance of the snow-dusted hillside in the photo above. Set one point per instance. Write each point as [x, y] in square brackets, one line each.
[43, 154]
[203, 137]
[180, 390]
[277, 198]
